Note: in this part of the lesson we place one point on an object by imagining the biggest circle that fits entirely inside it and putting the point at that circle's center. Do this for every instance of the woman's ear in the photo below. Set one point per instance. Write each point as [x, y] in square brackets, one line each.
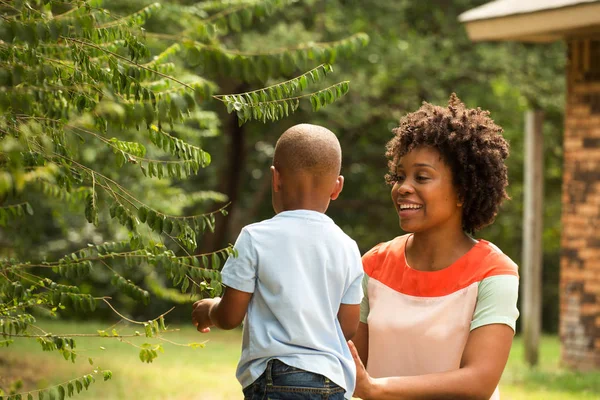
[337, 189]
[460, 198]
[275, 179]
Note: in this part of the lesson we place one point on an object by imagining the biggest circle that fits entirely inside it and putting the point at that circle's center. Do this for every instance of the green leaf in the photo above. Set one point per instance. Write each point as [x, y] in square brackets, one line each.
[150, 218]
[303, 82]
[142, 213]
[78, 386]
[61, 392]
[216, 261]
[168, 226]
[194, 56]
[107, 375]
[151, 169]
[157, 226]
[314, 101]
[149, 115]
[323, 98]
[234, 22]
[345, 87]
[28, 208]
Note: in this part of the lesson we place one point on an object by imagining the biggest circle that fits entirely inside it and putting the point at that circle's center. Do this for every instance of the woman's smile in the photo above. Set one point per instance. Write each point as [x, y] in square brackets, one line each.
[408, 209]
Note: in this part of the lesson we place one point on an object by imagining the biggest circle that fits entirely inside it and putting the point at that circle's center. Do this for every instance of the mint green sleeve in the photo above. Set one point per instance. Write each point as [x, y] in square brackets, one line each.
[364, 304]
[496, 302]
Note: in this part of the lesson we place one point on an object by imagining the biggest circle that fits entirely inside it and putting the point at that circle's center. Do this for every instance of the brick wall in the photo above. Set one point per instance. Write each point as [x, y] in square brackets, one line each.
[580, 259]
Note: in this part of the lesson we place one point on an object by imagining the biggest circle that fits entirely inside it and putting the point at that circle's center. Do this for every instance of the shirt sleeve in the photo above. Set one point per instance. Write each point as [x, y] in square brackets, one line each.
[364, 305]
[497, 301]
[354, 292]
[240, 272]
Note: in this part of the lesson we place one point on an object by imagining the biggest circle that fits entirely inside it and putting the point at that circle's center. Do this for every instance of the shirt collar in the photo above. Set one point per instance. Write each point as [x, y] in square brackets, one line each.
[304, 214]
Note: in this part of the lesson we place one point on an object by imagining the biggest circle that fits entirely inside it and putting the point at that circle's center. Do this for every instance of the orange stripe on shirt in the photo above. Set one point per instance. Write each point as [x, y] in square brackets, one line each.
[386, 262]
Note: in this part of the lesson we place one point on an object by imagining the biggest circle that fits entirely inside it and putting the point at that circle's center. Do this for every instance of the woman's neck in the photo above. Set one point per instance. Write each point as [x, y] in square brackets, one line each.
[434, 251]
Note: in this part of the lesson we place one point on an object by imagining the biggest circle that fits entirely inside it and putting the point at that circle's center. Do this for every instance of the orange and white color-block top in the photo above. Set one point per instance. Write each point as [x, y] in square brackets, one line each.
[419, 321]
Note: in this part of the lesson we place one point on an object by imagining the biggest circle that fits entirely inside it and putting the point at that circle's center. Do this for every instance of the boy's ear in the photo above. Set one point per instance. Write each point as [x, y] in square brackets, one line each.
[337, 189]
[275, 179]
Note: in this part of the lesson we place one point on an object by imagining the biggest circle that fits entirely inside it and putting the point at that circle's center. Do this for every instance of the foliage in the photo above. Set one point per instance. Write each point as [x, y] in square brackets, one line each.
[419, 51]
[76, 78]
[62, 390]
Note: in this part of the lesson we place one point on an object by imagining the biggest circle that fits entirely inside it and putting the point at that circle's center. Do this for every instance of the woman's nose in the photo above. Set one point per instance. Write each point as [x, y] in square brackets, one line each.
[404, 188]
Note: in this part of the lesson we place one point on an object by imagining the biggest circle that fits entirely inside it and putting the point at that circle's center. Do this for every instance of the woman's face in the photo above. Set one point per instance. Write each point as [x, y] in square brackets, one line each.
[423, 193]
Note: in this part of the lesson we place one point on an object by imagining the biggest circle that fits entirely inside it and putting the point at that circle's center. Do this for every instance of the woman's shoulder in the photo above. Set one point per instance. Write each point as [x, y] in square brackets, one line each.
[391, 246]
[492, 261]
[394, 248]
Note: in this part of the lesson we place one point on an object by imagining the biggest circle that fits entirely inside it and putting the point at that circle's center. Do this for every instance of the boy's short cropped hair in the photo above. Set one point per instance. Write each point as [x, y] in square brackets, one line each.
[470, 143]
[310, 148]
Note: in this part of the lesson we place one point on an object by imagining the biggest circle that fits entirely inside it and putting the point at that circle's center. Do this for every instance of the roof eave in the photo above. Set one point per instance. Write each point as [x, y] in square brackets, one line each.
[541, 26]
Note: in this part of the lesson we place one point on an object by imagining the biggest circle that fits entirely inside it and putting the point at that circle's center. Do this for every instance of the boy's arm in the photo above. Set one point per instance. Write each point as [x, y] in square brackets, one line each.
[348, 316]
[226, 313]
[349, 312]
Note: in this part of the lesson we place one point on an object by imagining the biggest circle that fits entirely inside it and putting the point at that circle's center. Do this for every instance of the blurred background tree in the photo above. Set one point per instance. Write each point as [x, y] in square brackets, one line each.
[418, 51]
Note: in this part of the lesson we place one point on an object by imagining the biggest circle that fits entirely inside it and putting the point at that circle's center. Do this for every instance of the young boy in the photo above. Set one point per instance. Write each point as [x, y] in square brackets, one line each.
[297, 279]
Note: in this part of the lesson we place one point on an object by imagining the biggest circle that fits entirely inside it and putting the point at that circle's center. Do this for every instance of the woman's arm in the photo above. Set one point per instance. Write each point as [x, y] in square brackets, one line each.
[483, 361]
[348, 316]
[361, 342]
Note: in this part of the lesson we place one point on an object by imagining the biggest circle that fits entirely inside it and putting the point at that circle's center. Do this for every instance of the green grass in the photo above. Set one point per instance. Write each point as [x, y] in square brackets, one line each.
[209, 373]
[179, 373]
[548, 381]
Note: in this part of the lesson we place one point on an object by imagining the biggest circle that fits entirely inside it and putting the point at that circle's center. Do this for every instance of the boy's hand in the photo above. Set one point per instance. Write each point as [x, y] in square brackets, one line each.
[201, 314]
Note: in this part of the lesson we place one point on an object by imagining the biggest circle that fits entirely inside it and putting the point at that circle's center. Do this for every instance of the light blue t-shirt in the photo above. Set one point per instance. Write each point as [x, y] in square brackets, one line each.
[300, 266]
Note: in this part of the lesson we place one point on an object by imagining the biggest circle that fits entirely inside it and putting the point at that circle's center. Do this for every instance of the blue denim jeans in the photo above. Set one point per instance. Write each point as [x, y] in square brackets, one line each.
[283, 382]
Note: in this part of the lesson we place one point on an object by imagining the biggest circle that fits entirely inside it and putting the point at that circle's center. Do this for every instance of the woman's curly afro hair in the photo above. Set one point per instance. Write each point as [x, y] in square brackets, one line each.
[470, 143]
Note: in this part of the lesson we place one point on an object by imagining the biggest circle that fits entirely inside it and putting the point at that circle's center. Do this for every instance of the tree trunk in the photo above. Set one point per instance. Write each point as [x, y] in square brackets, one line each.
[230, 183]
[532, 235]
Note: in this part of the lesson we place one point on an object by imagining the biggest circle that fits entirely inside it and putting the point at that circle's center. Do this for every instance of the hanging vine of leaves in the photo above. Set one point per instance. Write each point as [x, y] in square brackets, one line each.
[278, 101]
[76, 77]
[252, 67]
[66, 389]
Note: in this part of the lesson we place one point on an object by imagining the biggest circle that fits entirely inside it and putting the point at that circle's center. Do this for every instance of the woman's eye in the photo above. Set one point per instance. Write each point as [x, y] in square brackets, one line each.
[398, 177]
[422, 178]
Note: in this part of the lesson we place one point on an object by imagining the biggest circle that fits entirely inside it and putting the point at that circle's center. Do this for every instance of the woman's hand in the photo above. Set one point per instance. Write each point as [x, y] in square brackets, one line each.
[364, 382]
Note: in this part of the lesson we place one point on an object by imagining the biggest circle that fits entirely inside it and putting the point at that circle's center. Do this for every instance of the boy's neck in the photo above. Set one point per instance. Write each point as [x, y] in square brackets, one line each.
[291, 203]
[304, 192]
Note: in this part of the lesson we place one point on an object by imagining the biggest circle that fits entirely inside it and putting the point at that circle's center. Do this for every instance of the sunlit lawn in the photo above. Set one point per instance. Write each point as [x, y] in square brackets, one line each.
[209, 373]
[548, 381]
[179, 373]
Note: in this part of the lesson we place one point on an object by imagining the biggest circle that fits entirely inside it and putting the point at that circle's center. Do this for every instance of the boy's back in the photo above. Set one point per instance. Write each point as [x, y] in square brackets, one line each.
[300, 267]
[296, 280]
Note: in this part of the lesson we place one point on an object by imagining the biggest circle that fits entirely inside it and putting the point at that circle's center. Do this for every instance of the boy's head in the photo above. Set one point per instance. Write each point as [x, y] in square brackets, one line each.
[306, 169]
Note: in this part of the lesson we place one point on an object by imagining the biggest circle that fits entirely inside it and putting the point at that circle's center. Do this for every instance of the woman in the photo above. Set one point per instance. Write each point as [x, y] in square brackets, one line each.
[439, 312]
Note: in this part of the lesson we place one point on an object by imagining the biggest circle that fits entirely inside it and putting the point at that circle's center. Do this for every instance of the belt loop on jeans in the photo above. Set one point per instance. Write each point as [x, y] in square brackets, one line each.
[268, 374]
